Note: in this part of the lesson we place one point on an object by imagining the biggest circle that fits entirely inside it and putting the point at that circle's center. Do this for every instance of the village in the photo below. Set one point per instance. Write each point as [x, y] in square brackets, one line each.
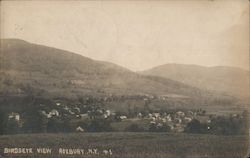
[95, 117]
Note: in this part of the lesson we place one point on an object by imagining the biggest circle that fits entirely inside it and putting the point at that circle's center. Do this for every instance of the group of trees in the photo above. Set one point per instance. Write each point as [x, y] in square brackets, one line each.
[34, 120]
[157, 128]
[221, 125]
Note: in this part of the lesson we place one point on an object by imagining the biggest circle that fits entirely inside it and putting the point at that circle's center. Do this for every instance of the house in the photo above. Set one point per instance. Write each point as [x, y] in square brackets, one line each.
[53, 113]
[177, 120]
[79, 129]
[71, 112]
[77, 109]
[171, 126]
[139, 115]
[150, 115]
[49, 115]
[156, 115]
[44, 113]
[203, 119]
[190, 113]
[100, 111]
[66, 108]
[84, 116]
[235, 115]
[123, 117]
[164, 120]
[187, 119]
[159, 125]
[179, 128]
[105, 116]
[153, 118]
[152, 122]
[180, 114]
[108, 112]
[169, 119]
[14, 116]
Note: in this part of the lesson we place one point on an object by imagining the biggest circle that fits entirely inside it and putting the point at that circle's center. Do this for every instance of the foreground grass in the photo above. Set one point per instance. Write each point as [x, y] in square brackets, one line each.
[133, 145]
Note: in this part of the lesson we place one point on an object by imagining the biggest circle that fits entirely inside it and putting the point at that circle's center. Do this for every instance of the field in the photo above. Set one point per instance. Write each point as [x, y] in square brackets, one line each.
[130, 145]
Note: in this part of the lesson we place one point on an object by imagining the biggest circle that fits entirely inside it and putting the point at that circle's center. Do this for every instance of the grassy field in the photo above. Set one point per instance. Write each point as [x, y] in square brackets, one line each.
[131, 145]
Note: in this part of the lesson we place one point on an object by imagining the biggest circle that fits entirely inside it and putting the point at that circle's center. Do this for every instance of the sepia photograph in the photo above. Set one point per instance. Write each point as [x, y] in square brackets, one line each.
[124, 79]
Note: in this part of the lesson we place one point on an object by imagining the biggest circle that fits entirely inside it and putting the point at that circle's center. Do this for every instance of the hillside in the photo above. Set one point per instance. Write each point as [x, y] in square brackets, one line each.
[230, 80]
[28, 68]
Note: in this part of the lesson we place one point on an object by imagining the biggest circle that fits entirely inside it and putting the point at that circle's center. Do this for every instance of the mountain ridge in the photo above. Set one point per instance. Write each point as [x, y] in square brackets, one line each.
[65, 73]
[231, 80]
[196, 65]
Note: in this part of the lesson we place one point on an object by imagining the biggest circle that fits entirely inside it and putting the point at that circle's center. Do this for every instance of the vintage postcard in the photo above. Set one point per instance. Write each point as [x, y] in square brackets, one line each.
[124, 79]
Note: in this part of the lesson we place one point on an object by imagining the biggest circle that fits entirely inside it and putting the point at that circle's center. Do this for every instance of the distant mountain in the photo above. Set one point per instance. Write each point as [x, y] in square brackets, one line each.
[230, 80]
[28, 68]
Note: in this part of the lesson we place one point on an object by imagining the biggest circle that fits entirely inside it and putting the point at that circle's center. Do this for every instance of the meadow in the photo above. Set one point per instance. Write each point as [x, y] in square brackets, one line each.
[130, 145]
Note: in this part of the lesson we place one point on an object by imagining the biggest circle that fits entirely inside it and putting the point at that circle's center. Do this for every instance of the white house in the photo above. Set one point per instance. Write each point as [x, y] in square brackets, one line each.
[139, 115]
[15, 116]
[79, 129]
[84, 116]
[108, 112]
[54, 112]
[152, 122]
[187, 119]
[123, 117]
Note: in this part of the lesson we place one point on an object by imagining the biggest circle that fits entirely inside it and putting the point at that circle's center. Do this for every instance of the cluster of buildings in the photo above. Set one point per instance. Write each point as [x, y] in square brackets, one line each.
[176, 121]
[75, 112]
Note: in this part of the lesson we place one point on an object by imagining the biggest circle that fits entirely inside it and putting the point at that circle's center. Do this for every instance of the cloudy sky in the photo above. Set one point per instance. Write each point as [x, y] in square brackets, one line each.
[136, 34]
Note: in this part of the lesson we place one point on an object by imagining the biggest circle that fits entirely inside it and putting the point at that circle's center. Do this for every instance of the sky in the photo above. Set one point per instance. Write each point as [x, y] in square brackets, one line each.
[137, 35]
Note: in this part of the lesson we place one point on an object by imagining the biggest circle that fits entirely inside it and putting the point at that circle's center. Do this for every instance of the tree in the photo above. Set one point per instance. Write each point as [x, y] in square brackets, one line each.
[3, 121]
[55, 125]
[134, 128]
[99, 125]
[12, 127]
[232, 125]
[34, 120]
[245, 122]
[161, 128]
[196, 127]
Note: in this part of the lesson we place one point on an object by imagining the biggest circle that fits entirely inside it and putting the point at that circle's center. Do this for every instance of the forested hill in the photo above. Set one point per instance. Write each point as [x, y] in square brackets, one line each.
[40, 70]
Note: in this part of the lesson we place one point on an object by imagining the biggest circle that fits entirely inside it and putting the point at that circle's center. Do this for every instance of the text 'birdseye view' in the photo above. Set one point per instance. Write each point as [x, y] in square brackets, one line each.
[127, 79]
